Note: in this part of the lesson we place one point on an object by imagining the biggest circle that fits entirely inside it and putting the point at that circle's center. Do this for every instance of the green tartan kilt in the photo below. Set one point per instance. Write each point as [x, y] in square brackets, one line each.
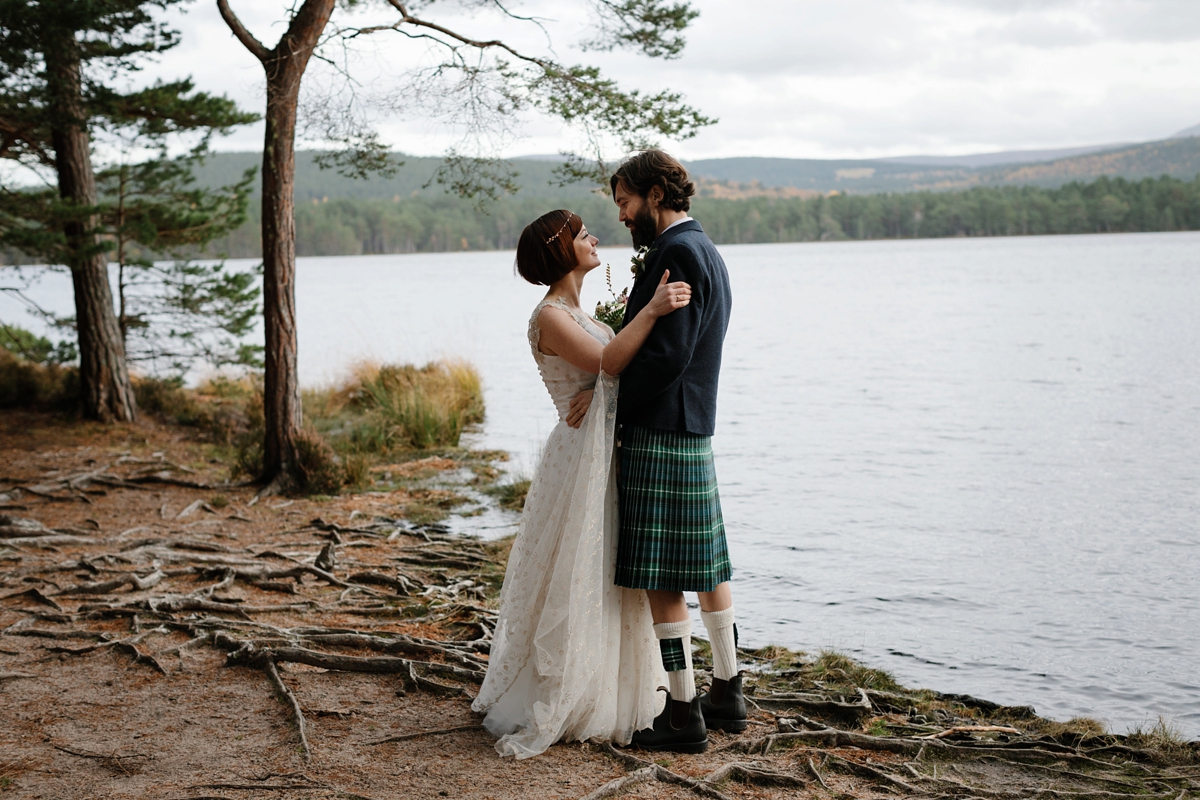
[672, 532]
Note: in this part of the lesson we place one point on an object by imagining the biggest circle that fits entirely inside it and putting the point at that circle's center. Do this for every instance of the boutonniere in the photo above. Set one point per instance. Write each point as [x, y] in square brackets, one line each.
[638, 262]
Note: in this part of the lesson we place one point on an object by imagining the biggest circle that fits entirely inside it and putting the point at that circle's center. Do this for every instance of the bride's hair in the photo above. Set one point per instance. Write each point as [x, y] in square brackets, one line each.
[546, 249]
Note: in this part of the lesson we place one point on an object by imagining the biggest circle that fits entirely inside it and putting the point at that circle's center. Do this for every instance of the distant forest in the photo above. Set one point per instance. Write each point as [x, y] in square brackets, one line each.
[432, 223]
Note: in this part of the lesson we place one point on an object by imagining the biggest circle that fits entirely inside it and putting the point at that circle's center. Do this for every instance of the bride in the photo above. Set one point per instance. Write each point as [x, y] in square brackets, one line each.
[574, 656]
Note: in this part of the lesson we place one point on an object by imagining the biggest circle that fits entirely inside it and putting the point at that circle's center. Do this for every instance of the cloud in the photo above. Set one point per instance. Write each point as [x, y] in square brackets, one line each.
[823, 78]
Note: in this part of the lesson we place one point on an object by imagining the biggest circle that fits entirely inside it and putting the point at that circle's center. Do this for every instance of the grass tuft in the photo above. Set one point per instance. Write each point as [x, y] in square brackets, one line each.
[839, 669]
[1165, 741]
[406, 407]
[512, 495]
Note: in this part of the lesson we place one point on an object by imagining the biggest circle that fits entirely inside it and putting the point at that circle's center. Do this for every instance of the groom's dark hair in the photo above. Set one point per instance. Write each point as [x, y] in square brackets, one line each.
[546, 249]
[650, 168]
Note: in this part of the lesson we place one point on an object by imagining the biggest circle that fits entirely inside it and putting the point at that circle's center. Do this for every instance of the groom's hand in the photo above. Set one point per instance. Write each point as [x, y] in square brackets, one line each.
[580, 404]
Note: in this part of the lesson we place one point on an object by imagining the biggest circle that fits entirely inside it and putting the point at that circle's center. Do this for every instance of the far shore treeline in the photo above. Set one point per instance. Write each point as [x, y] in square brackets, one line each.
[431, 223]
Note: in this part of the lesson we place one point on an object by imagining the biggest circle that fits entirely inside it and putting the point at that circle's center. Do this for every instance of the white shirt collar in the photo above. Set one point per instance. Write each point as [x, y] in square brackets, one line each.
[676, 222]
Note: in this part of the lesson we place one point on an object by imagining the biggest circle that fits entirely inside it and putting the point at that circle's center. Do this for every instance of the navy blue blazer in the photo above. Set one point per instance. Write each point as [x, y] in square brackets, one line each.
[671, 384]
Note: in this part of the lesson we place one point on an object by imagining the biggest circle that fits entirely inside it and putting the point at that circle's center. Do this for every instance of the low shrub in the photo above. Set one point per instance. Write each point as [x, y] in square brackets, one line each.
[248, 443]
[223, 408]
[317, 467]
[43, 387]
[167, 398]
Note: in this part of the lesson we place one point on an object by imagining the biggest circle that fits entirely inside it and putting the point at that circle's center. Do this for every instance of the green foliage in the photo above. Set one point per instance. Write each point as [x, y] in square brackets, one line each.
[612, 312]
[174, 313]
[34, 348]
[67, 65]
[1106, 204]
[425, 224]
[221, 419]
[382, 410]
[107, 40]
[653, 26]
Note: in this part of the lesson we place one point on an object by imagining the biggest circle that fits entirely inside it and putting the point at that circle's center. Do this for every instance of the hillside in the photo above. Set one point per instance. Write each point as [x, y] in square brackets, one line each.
[738, 178]
[1178, 158]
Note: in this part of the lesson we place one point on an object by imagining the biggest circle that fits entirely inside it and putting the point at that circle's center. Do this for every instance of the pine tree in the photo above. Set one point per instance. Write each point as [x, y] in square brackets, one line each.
[64, 66]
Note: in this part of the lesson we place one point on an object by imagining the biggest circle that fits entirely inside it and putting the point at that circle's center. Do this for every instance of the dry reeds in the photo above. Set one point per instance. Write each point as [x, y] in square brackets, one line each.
[26, 384]
[403, 407]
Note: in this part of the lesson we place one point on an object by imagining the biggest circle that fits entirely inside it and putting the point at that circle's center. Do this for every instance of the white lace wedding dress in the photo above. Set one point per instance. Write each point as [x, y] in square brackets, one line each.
[574, 656]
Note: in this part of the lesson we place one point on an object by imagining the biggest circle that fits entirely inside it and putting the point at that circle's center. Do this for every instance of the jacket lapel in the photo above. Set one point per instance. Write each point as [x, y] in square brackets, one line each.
[652, 256]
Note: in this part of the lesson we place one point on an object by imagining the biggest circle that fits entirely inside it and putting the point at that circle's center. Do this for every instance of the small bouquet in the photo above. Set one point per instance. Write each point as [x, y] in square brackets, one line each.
[612, 312]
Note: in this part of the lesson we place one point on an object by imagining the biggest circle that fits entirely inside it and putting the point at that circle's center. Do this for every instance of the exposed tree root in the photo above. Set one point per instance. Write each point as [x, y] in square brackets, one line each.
[404, 737]
[754, 773]
[623, 784]
[157, 577]
[658, 773]
[828, 737]
[871, 773]
[268, 665]
[971, 729]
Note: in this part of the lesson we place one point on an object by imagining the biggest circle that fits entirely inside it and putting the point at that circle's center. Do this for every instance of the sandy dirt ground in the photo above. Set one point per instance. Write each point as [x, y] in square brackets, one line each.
[145, 607]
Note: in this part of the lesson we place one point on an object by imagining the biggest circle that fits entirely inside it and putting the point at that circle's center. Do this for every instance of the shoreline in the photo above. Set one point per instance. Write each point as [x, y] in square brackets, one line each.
[142, 646]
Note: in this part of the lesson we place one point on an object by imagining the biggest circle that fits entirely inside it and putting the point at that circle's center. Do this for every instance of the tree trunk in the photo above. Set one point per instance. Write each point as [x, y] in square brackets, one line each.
[281, 388]
[284, 67]
[103, 375]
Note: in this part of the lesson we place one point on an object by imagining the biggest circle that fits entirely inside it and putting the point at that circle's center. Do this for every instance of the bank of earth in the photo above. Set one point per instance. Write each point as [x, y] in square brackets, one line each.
[161, 636]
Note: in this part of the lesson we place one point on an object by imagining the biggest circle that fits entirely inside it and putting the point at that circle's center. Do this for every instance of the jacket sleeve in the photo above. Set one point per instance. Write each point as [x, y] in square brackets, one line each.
[669, 348]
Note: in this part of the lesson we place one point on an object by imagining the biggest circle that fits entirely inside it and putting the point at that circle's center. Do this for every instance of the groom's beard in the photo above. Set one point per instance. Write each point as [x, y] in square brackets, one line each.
[644, 230]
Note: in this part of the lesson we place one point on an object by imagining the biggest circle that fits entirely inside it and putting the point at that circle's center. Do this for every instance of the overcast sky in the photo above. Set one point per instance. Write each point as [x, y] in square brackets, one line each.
[808, 78]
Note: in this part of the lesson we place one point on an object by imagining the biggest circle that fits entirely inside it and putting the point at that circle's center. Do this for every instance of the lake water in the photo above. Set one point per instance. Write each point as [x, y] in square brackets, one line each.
[973, 463]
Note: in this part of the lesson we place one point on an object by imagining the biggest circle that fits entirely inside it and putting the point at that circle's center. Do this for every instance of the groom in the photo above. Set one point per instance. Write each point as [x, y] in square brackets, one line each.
[672, 533]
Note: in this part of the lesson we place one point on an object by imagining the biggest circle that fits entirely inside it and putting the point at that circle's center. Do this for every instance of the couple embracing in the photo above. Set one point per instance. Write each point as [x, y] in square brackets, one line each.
[623, 514]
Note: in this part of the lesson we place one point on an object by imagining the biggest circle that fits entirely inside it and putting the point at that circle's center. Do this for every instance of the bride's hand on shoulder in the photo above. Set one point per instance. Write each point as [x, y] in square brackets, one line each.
[580, 404]
[669, 297]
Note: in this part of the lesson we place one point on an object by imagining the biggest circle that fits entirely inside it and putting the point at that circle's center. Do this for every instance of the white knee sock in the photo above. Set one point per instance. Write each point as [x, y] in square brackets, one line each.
[673, 637]
[724, 649]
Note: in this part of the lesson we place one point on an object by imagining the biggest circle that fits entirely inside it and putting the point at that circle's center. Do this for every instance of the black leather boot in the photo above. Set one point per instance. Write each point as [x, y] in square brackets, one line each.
[692, 737]
[724, 705]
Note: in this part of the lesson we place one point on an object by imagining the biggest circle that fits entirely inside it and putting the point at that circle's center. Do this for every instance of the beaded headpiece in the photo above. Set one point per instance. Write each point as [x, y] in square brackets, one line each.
[563, 228]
